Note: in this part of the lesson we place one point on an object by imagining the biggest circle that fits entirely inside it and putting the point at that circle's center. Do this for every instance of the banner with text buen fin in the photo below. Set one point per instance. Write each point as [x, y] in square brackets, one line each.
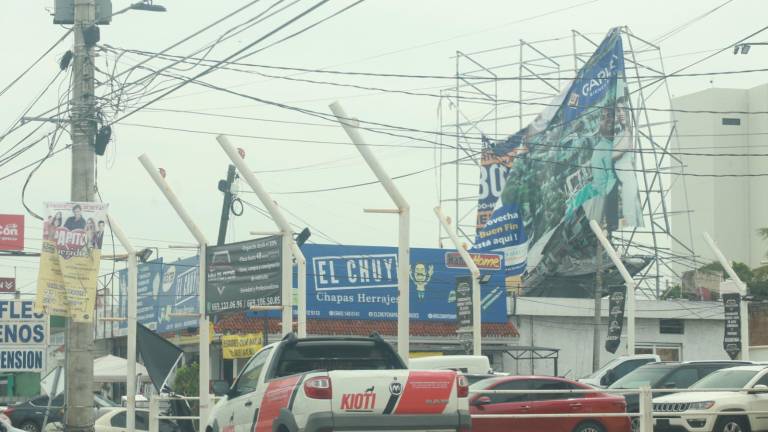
[573, 163]
[73, 233]
[504, 232]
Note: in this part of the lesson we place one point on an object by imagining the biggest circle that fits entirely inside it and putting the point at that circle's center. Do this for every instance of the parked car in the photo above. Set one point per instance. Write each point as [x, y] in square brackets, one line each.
[682, 411]
[6, 426]
[668, 375]
[115, 421]
[29, 415]
[615, 369]
[564, 402]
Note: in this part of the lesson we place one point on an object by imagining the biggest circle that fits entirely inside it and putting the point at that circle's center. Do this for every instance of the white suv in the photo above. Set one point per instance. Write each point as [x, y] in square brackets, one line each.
[735, 410]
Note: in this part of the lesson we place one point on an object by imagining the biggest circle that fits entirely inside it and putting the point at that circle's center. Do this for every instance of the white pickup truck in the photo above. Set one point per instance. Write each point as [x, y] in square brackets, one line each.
[339, 384]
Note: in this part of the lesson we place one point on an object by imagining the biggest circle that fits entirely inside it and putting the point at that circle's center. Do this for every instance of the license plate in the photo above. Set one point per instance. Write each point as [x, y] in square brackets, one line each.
[662, 422]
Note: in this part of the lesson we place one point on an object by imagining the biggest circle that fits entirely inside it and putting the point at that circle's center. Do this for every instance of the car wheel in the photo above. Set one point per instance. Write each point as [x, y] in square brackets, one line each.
[731, 424]
[589, 427]
[635, 424]
[30, 426]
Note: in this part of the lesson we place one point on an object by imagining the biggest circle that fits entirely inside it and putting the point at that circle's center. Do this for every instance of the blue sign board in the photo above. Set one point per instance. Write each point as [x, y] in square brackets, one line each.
[360, 282]
[164, 289]
[343, 282]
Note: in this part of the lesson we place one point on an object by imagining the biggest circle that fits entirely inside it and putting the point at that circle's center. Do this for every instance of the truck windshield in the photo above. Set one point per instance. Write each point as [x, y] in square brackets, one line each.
[305, 356]
[725, 379]
[642, 376]
[604, 368]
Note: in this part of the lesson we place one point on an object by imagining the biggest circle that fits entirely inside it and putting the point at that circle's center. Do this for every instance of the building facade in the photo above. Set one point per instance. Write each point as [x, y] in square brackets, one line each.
[677, 330]
[730, 208]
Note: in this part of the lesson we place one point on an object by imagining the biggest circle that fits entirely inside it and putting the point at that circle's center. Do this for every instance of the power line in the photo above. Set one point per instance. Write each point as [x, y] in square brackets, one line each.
[187, 59]
[26, 71]
[230, 57]
[676, 30]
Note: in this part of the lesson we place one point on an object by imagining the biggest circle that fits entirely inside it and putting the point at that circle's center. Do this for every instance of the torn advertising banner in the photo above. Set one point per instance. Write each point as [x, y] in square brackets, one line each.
[69, 260]
[573, 163]
[504, 232]
[241, 346]
[240, 275]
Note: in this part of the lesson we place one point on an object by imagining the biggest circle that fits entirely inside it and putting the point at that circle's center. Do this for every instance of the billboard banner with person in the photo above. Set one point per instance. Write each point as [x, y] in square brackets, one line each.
[73, 233]
[573, 163]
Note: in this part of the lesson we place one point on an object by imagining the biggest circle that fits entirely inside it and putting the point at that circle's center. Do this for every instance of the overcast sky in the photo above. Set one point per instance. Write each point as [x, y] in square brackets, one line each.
[382, 36]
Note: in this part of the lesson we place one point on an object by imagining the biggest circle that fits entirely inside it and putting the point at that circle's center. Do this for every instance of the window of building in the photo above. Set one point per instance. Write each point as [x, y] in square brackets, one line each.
[731, 121]
[667, 352]
[671, 326]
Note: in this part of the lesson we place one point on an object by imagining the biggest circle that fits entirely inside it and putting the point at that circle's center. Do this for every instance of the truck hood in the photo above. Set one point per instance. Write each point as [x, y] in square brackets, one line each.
[694, 397]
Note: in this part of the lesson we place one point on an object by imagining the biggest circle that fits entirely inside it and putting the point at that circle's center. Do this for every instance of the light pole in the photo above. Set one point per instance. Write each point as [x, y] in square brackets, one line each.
[79, 356]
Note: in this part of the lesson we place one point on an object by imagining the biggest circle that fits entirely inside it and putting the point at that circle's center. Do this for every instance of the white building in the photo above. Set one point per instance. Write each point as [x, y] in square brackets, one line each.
[675, 330]
[730, 209]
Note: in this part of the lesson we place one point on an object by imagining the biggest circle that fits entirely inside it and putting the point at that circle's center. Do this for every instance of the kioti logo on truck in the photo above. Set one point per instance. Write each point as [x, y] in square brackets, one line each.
[360, 402]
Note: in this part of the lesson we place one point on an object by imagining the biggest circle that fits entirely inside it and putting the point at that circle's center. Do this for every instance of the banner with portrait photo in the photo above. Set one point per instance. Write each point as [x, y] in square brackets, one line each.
[73, 233]
[575, 162]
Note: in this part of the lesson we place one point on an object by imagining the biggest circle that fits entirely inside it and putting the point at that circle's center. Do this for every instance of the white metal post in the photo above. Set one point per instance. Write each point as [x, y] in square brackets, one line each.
[627, 280]
[477, 322]
[403, 242]
[132, 295]
[301, 262]
[204, 343]
[288, 241]
[744, 305]
[154, 413]
[646, 409]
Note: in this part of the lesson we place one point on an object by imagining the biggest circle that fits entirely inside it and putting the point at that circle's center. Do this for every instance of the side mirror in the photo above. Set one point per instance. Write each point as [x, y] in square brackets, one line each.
[670, 385]
[482, 400]
[758, 389]
[219, 387]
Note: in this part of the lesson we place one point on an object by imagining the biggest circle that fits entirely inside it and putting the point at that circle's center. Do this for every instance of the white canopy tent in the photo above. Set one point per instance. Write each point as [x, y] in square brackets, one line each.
[107, 369]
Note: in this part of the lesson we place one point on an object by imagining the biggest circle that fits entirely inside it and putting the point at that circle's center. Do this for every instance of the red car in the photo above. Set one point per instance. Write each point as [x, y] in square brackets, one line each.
[544, 403]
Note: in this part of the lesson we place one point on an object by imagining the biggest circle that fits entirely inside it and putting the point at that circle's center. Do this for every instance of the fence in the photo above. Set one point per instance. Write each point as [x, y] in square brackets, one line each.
[155, 416]
[642, 421]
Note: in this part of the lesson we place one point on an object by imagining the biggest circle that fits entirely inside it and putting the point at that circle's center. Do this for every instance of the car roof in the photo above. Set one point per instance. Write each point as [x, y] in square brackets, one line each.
[752, 368]
[697, 362]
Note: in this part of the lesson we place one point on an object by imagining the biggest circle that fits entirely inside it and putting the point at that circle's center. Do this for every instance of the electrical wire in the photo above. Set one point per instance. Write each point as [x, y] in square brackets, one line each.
[26, 71]
[187, 59]
[230, 57]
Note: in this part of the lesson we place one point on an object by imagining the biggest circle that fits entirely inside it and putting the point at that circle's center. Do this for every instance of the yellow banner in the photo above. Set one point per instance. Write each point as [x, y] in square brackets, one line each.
[241, 346]
[69, 260]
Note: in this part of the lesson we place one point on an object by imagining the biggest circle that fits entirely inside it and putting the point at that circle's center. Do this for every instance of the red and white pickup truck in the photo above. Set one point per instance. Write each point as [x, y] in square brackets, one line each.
[339, 384]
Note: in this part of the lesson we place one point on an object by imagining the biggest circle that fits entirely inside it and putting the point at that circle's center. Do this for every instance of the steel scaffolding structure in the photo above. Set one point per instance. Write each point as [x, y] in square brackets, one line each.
[479, 105]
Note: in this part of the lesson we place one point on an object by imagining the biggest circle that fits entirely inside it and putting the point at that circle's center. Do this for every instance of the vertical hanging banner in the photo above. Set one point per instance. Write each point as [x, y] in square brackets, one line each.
[464, 302]
[616, 301]
[244, 274]
[732, 335]
[11, 232]
[70, 258]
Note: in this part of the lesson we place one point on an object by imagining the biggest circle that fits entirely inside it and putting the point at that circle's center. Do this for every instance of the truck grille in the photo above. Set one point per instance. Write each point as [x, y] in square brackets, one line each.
[670, 407]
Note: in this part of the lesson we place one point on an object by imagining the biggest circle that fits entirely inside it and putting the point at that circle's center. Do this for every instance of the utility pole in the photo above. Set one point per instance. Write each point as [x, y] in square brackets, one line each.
[226, 187]
[596, 320]
[79, 360]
